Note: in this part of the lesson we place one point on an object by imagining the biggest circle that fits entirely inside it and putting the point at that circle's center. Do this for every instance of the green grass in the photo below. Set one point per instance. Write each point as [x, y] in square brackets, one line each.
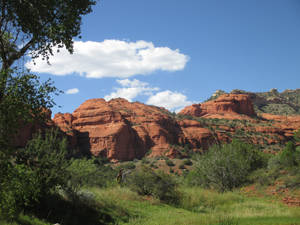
[198, 206]
[26, 220]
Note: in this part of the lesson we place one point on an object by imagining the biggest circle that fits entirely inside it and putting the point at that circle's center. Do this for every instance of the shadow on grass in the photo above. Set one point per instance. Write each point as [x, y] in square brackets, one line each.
[56, 209]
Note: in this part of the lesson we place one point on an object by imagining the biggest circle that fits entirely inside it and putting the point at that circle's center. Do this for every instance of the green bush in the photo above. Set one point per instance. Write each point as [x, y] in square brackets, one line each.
[169, 162]
[18, 189]
[33, 173]
[181, 166]
[145, 181]
[145, 161]
[87, 172]
[226, 167]
[46, 156]
[288, 158]
[187, 162]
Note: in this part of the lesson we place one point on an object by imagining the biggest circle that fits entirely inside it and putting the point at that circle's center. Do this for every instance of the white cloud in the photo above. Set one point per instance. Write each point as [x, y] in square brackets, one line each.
[131, 89]
[111, 58]
[72, 91]
[169, 100]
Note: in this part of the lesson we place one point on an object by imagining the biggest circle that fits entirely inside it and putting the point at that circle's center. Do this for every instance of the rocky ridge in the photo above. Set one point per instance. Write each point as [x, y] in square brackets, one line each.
[273, 101]
[121, 130]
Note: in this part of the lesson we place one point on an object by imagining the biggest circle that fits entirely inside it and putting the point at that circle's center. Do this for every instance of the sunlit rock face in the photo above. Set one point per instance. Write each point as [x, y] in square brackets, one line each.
[122, 130]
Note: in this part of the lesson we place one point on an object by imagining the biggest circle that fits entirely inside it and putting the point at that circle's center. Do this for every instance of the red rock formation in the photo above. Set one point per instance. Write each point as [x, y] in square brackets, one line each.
[232, 105]
[27, 130]
[120, 130]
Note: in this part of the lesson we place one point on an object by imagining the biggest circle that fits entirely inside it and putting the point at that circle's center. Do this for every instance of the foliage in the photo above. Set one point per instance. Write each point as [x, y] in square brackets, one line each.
[198, 206]
[18, 189]
[36, 170]
[288, 158]
[38, 26]
[87, 172]
[29, 174]
[25, 101]
[273, 102]
[127, 165]
[75, 210]
[169, 162]
[296, 136]
[187, 162]
[145, 181]
[181, 166]
[46, 155]
[226, 167]
[145, 161]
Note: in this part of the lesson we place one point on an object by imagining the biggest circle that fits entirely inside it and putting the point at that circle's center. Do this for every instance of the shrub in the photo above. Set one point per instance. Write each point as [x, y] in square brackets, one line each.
[87, 172]
[19, 188]
[145, 181]
[33, 174]
[145, 161]
[226, 167]
[169, 162]
[153, 165]
[289, 157]
[46, 156]
[187, 162]
[181, 166]
[128, 166]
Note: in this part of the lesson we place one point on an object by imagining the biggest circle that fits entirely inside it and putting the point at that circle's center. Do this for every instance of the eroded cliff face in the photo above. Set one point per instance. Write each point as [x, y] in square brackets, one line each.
[230, 106]
[121, 130]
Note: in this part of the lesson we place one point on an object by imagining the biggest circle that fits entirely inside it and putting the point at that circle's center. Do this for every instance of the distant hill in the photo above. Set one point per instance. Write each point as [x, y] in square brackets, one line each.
[273, 102]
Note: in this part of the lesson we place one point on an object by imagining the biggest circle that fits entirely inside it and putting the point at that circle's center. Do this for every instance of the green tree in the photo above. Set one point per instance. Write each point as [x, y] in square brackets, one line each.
[38, 25]
[26, 100]
[146, 181]
[226, 167]
[289, 157]
[35, 27]
[46, 156]
[33, 173]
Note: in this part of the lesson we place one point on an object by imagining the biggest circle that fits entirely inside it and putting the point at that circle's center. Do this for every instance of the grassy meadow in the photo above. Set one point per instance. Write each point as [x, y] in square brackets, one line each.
[231, 184]
[197, 206]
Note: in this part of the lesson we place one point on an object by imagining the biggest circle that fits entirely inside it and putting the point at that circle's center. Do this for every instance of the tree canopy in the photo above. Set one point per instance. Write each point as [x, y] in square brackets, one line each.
[34, 27]
[37, 26]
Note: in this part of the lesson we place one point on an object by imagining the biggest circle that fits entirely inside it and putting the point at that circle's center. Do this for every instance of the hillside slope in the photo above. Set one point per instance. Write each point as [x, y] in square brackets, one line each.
[273, 102]
[122, 130]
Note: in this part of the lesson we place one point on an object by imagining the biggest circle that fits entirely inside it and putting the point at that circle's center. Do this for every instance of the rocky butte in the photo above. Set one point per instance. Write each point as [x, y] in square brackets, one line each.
[121, 130]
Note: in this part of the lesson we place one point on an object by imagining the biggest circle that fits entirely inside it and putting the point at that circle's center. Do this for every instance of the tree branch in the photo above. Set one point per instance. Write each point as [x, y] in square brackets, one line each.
[15, 56]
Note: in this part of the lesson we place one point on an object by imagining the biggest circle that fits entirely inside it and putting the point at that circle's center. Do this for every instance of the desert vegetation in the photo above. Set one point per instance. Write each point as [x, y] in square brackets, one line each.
[46, 181]
[228, 184]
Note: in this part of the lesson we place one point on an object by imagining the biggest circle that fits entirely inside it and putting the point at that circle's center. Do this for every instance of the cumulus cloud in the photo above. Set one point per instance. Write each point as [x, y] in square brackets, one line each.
[169, 100]
[111, 58]
[130, 89]
[72, 91]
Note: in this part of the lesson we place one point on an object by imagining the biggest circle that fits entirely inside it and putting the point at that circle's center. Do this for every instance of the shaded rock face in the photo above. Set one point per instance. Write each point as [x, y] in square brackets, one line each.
[120, 130]
[235, 105]
[27, 131]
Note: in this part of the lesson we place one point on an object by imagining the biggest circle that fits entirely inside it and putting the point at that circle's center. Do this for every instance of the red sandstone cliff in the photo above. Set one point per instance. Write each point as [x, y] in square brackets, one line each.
[120, 130]
[233, 106]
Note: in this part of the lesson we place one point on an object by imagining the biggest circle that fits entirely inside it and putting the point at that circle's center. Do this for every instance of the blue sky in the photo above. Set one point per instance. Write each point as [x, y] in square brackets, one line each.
[175, 53]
